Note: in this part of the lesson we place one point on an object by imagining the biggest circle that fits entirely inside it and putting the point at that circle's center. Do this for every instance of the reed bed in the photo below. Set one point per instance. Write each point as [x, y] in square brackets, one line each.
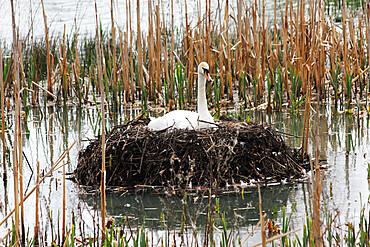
[260, 62]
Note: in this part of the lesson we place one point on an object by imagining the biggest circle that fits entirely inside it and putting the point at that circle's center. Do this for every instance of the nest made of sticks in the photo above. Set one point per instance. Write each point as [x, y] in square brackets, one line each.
[235, 152]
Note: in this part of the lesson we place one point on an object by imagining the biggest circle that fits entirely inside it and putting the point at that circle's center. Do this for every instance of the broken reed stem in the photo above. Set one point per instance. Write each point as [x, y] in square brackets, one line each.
[48, 62]
[56, 164]
[102, 95]
[277, 236]
[262, 218]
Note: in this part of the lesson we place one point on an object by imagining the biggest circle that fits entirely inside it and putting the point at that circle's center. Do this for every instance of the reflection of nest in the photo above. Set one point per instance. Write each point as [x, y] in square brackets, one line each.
[232, 153]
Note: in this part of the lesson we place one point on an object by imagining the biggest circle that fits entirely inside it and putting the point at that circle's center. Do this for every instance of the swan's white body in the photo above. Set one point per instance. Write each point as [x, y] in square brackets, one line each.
[181, 119]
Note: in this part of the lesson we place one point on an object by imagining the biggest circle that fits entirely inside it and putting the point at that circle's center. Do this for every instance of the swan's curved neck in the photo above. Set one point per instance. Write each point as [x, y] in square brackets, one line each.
[202, 99]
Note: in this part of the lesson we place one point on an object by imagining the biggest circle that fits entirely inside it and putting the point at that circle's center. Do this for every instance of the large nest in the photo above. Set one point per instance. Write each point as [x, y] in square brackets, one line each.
[235, 152]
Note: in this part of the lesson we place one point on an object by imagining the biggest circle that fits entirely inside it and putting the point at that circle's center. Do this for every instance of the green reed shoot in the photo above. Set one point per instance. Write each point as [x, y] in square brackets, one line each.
[225, 238]
[286, 223]
[217, 96]
[270, 82]
[180, 82]
[296, 84]
[279, 90]
[349, 89]
[255, 92]
[335, 83]
[306, 240]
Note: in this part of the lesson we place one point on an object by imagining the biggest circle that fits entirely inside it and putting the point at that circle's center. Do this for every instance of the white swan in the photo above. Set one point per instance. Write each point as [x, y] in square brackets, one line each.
[180, 119]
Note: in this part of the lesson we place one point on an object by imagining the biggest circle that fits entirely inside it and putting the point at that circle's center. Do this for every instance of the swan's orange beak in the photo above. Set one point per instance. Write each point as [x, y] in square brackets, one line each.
[208, 76]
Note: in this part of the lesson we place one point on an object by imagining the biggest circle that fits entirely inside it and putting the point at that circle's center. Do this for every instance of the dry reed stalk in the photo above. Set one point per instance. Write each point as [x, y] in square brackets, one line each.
[207, 34]
[263, 53]
[221, 57]
[16, 128]
[64, 204]
[158, 69]
[297, 39]
[18, 125]
[277, 236]
[345, 38]
[229, 78]
[99, 55]
[189, 47]
[36, 229]
[361, 39]
[316, 180]
[56, 164]
[131, 79]
[2, 112]
[238, 51]
[367, 36]
[151, 53]
[257, 59]
[332, 44]
[124, 66]
[139, 47]
[165, 57]
[63, 65]
[170, 89]
[306, 121]
[76, 69]
[114, 55]
[250, 234]
[285, 49]
[50, 86]
[262, 218]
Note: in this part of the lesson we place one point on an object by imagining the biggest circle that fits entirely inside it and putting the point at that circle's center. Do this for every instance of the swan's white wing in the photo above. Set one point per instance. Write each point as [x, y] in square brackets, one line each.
[178, 119]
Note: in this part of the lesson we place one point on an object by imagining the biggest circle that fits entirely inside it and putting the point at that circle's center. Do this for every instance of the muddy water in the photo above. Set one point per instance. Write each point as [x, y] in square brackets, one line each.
[343, 144]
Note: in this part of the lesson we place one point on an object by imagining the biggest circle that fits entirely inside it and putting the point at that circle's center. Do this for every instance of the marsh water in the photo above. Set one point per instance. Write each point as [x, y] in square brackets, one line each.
[343, 146]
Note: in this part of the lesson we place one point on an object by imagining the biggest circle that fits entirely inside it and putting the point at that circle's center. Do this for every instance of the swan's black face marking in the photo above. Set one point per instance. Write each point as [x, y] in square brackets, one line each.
[206, 74]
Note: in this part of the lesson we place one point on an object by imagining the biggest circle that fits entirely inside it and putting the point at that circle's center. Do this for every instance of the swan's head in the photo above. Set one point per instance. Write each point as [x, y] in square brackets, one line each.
[203, 70]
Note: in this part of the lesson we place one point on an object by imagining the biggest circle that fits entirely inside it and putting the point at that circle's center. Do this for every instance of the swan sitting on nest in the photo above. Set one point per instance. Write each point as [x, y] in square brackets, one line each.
[180, 119]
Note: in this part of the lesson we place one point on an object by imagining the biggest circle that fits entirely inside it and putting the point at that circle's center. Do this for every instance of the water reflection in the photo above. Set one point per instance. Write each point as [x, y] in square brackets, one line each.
[343, 146]
[240, 208]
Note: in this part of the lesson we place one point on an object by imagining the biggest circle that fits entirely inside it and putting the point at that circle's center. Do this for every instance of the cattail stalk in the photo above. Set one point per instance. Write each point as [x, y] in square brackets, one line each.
[48, 59]
[17, 135]
[139, 48]
[102, 95]
[114, 57]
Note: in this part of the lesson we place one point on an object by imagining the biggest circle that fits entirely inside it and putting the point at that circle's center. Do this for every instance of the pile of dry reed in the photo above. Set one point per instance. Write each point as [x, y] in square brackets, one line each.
[235, 152]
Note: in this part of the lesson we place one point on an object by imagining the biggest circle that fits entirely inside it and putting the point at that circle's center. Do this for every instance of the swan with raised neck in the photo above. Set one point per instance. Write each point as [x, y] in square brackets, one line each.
[180, 119]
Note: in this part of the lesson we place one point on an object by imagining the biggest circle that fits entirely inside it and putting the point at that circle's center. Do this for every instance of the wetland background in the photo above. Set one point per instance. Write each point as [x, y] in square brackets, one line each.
[299, 65]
